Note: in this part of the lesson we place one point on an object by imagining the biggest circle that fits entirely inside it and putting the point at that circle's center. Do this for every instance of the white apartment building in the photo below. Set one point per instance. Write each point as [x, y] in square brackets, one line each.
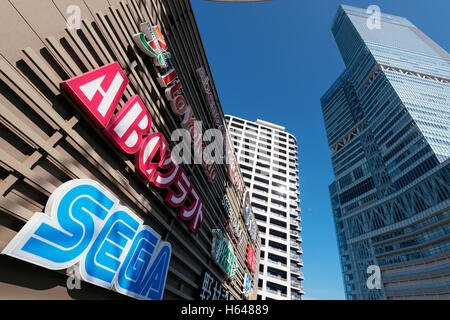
[268, 159]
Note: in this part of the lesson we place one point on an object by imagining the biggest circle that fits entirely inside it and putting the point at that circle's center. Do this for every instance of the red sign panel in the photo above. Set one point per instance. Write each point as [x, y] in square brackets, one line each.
[98, 92]
[251, 258]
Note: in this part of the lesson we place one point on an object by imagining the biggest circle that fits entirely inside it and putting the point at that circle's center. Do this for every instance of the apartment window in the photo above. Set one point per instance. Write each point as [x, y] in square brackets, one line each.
[277, 233]
[260, 197]
[279, 178]
[249, 124]
[265, 158]
[264, 181]
[279, 170]
[245, 160]
[260, 217]
[262, 229]
[280, 203]
[262, 172]
[260, 188]
[264, 145]
[276, 288]
[265, 152]
[278, 185]
[248, 147]
[259, 206]
[279, 194]
[278, 246]
[278, 212]
[278, 222]
[262, 165]
[246, 175]
[276, 273]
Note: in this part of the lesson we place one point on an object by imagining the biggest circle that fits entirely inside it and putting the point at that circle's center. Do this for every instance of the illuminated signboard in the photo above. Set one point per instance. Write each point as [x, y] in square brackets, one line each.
[151, 41]
[247, 286]
[230, 158]
[211, 288]
[251, 258]
[249, 217]
[234, 224]
[83, 224]
[97, 93]
[226, 205]
[223, 253]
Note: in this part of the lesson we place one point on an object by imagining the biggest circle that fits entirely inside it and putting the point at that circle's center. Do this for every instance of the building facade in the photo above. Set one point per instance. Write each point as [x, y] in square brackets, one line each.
[94, 205]
[269, 163]
[387, 123]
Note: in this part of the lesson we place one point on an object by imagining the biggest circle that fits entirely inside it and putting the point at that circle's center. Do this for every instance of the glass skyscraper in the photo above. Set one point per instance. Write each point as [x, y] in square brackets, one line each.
[387, 119]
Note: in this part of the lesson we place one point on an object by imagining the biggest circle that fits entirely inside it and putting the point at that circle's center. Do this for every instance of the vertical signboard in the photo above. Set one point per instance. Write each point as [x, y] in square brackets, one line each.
[223, 253]
[251, 258]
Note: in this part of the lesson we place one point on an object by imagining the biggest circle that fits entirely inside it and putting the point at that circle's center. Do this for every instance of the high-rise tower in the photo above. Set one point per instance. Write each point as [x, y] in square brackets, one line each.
[268, 159]
[387, 119]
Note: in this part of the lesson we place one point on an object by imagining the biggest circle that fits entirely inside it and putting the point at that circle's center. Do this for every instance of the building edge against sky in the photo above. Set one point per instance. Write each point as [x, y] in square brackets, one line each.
[268, 159]
[387, 124]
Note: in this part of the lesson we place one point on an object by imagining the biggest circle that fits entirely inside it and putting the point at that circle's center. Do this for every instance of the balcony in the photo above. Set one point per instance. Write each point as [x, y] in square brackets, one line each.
[277, 263]
[276, 197]
[300, 262]
[276, 276]
[296, 296]
[299, 228]
[294, 233]
[299, 239]
[295, 269]
[300, 250]
[278, 206]
[301, 276]
[278, 215]
[276, 249]
[295, 246]
[276, 292]
[296, 284]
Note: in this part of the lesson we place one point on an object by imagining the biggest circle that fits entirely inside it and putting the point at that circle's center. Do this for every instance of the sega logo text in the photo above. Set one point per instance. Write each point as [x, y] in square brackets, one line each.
[84, 225]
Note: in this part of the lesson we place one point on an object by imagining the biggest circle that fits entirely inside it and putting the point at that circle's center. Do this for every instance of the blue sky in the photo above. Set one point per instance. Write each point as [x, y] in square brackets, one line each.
[273, 61]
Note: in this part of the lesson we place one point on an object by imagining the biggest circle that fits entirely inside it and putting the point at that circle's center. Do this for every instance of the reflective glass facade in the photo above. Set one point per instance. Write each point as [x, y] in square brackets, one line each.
[387, 119]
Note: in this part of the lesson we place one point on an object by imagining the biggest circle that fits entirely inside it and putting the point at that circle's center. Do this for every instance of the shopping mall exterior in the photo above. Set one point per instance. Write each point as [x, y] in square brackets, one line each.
[94, 205]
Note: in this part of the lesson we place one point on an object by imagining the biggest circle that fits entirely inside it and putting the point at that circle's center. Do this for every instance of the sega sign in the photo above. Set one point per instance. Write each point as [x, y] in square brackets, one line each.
[84, 225]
